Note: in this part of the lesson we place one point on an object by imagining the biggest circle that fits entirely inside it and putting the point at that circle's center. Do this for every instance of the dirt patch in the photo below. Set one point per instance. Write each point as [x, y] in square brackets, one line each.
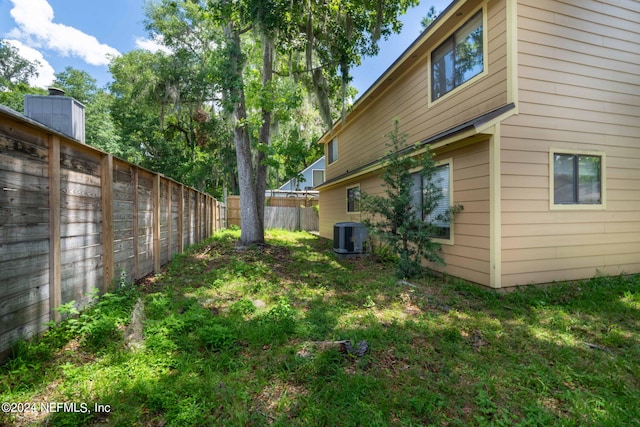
[133, 334]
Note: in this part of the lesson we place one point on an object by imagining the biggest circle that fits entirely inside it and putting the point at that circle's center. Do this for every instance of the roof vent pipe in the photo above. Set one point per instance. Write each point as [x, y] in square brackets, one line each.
[55, 91]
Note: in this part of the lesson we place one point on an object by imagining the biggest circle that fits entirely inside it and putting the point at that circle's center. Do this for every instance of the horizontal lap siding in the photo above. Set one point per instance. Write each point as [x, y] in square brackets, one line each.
[469, 257]
[579, 90]
[333, 203]
[363, 139]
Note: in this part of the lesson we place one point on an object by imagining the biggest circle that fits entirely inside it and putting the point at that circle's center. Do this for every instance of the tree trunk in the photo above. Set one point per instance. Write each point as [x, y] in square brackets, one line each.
[252, 230]
[265, 128]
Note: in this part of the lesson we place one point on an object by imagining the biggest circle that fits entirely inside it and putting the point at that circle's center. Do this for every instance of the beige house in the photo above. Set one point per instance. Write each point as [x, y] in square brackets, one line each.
[532, 109]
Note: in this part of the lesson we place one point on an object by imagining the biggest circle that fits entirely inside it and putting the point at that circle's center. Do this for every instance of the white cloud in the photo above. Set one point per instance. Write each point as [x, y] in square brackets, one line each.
[152, 45]
[37, 29]
[46, 74]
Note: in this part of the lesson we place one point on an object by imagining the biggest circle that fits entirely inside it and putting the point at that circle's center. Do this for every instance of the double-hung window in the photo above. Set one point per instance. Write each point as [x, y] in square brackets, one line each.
[429, 207]
[577, 179]
[458, 59]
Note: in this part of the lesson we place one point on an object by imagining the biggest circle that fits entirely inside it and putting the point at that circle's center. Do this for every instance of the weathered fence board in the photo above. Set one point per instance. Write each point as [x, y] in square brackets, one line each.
[290, 213]
[73, 218]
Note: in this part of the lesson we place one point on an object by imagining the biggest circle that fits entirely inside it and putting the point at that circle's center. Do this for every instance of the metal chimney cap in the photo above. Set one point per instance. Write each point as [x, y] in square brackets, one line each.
[55, 91]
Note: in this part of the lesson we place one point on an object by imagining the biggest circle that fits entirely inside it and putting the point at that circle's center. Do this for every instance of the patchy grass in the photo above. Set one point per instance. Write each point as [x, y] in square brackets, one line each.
[240, 338]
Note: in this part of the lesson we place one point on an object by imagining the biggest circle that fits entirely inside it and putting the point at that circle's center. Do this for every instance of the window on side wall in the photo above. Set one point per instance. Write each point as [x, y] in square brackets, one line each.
[317, 177]
[353, 199]
[577, 179]
[458, 59]
[332, 150]
[420, 196]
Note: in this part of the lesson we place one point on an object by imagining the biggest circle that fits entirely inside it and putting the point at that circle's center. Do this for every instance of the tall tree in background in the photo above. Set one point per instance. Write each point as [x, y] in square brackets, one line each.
[320, 40]
[430, 17]
[15, 74]
[167, 123]
[100, 130]
[14, 69]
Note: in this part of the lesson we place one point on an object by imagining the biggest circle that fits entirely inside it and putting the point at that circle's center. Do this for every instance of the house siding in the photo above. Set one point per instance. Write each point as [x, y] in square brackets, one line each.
[333, 203]
[405, 96]
[579, 90]
[469, 257]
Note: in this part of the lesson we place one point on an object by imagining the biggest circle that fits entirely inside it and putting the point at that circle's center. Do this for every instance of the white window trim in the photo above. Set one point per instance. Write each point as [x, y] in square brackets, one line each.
[485, 58]
[603, 181]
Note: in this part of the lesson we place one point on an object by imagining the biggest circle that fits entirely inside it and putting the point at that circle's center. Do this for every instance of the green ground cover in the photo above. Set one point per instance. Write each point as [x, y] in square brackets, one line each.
[248, 338]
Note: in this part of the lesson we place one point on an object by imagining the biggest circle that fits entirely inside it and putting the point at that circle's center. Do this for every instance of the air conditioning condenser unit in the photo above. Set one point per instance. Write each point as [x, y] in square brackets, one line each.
[349, 238]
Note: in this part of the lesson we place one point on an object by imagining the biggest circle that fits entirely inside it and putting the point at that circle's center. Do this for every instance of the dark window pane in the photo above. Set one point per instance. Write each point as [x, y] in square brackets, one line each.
[564, 179]
[332, 151]
[353, 199]
[442, 71]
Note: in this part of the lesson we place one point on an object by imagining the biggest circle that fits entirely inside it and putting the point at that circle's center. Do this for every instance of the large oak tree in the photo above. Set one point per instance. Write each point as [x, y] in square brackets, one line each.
[315, 42]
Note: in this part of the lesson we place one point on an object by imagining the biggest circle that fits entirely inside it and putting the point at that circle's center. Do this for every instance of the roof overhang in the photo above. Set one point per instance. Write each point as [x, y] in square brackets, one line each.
[481, 125]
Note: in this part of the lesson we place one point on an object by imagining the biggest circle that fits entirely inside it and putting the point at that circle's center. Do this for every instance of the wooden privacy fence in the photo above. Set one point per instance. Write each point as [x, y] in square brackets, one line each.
[281, 212]
[73, 218]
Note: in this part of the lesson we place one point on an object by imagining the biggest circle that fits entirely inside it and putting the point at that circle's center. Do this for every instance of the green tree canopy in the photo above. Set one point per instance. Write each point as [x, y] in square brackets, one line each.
[15, 69]
[15, 74]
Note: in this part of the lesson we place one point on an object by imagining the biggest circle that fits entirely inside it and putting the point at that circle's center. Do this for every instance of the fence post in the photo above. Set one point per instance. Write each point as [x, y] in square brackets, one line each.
[135, 223]
[181, 220]
[55, 274]
[214, 214]
[211, 216]
[169, 190]
[189, 216]
[198, 209]
[108, 264]
[156, 223]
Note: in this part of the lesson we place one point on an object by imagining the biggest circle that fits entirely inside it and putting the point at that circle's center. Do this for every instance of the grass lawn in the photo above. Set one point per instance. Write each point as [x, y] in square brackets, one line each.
[247, 338]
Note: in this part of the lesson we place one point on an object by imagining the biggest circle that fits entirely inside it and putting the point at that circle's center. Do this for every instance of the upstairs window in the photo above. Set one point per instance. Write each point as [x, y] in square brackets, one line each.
[332, 150]
[458, 59]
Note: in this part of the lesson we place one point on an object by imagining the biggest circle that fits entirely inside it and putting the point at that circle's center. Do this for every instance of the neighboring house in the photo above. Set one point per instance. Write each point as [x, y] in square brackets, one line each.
[313, 175]
[532, 110]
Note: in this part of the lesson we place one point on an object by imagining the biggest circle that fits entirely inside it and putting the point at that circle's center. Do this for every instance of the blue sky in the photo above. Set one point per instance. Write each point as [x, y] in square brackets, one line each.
[84, 33]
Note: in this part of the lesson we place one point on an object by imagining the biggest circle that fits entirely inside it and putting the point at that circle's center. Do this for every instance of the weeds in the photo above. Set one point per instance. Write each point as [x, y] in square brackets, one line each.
[236, 338]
